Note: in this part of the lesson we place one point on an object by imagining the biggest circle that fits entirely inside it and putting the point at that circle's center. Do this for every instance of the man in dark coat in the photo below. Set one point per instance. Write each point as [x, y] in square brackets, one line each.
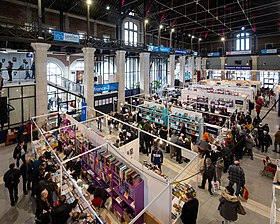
[208, 173]
[19, 152]
[190, 209]
[236, 176]
[61, 213]
[25, 170]
[11, 179]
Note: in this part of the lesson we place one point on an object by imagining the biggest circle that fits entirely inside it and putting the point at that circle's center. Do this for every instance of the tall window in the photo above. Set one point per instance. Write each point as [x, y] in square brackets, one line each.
[105, 67]
[242, 42]
[130, 33]
[158, 72]
[132, 73]
[54, 73]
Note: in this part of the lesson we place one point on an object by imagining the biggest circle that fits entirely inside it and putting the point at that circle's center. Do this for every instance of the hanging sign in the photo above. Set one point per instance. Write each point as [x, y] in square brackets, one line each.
[160, 49]
[237, 67]
[214, 54]
[178, 51]
[238, 52]
[269, 51]
[66, 37]
[109, 87]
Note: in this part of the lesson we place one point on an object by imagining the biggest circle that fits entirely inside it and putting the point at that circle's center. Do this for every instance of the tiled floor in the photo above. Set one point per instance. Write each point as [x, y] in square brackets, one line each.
[257, 207]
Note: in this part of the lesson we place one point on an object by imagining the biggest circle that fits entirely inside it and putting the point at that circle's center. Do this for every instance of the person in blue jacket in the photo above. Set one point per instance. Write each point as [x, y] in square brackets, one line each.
[157, 157]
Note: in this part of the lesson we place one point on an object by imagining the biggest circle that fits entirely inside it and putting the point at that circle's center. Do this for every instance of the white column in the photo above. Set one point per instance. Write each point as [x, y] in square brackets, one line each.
[254, 67]
[171, 67]
[192, 68]
[203, 68]
[120, 58]
[223, 61]
[145, 72]
[40, 50]
[182, 60]
[89, 75]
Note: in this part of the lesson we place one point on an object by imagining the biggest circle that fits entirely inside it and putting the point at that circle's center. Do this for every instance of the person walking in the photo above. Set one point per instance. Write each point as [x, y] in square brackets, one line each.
[190, 209]
[266, 142]
[249, 144]
[277, 141]
[157, 157]
[259, 105]
[219, 167]
[11, 180]
[10, 70]
[25, 170]
[236, 176]
[19, 152]
[228, 205]
[208, 173]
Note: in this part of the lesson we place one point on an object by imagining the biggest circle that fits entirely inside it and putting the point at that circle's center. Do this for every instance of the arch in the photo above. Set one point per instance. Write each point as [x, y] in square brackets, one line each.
[60, 64]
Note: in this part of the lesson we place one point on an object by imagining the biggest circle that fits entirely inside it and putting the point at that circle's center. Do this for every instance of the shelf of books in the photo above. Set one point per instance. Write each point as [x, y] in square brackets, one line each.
[178, 199]
[123, 184]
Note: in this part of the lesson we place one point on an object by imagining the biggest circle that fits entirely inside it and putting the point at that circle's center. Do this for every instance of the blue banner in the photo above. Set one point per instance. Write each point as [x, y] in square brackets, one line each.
[158, 49]
[214, 54]
[84, 111]
[106, 87]
[238, 67]
[269, 51]
[184, 52]
[66, 37]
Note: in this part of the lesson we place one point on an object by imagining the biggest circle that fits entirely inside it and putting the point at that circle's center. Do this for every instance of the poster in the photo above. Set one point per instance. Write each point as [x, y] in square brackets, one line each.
[14, 59]
[79, 76]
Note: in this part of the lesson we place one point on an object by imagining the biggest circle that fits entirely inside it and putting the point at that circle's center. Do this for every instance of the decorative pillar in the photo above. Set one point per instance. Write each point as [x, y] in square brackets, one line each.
[40, 50]
[203, 68]
[145, 72]
[171, 67]
[254, 68]
[89, 75]
[223, 61]
[182, 60]
[192, 68]
[120, 60]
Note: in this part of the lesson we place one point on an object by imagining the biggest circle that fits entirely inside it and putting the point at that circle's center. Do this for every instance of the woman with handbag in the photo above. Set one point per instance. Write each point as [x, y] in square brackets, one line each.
[229, 205]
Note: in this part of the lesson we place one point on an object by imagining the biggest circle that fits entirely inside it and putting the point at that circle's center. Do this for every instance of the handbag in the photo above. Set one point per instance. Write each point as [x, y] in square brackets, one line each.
[241, 210]
[215, 186]
[244, 193]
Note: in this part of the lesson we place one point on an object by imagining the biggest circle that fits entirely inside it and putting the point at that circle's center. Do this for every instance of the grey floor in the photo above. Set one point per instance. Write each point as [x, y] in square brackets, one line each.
[257, 207]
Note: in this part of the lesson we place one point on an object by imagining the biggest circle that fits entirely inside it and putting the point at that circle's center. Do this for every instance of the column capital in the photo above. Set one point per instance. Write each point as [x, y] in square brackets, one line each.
[254, 56]
[145, 54]
[120, 52]
[172, 56]
[88, 50]
[40, 46]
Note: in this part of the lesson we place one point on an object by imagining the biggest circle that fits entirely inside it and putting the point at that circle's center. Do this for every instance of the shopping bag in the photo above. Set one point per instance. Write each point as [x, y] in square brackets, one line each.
[244, 193]
[241, 210]
[215, 186]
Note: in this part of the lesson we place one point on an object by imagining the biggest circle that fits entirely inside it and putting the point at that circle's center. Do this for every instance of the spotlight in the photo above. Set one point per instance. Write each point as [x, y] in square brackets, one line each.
[88, 2]
[108, 7]
[160, 26]
[222, 39]
[146, 21]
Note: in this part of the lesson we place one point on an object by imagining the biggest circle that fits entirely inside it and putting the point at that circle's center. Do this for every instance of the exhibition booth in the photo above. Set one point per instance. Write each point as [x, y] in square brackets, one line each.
[136, 192]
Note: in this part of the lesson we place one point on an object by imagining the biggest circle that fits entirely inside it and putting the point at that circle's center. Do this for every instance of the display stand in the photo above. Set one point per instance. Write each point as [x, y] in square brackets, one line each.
[231, 102]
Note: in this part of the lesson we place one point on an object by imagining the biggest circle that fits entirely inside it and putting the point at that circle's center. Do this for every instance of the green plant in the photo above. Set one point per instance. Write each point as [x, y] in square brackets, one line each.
[156, 84]
[136, 85]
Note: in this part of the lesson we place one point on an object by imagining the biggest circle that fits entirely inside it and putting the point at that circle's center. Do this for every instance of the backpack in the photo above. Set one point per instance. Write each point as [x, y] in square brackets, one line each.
[9, 179]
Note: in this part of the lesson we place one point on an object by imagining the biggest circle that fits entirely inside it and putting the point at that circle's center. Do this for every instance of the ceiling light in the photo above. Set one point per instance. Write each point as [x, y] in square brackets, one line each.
[146, 21]
[199, 39]
[243, 28]
[192, 37]
[189, 35]
[108, 7]
[172, 30]
[160, 26]
[88, 2]
[222, 39]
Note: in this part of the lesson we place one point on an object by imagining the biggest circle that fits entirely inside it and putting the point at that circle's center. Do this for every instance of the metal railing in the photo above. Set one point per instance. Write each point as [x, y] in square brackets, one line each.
[17, 75]
[59, 80]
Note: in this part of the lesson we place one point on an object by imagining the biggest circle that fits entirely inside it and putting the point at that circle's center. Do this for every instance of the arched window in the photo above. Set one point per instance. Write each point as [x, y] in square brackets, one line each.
[54, 72]
[242, 42]
[130, 33]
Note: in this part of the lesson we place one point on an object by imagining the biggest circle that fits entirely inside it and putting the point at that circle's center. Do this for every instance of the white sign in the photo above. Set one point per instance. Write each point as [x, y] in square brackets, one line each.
[238, 52]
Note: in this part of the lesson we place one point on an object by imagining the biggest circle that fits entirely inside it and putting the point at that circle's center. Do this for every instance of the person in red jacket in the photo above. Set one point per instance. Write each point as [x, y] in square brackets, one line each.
[259, 105]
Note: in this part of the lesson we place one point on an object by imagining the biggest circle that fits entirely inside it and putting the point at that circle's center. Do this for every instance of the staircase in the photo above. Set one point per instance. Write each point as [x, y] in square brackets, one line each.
[66, 85]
